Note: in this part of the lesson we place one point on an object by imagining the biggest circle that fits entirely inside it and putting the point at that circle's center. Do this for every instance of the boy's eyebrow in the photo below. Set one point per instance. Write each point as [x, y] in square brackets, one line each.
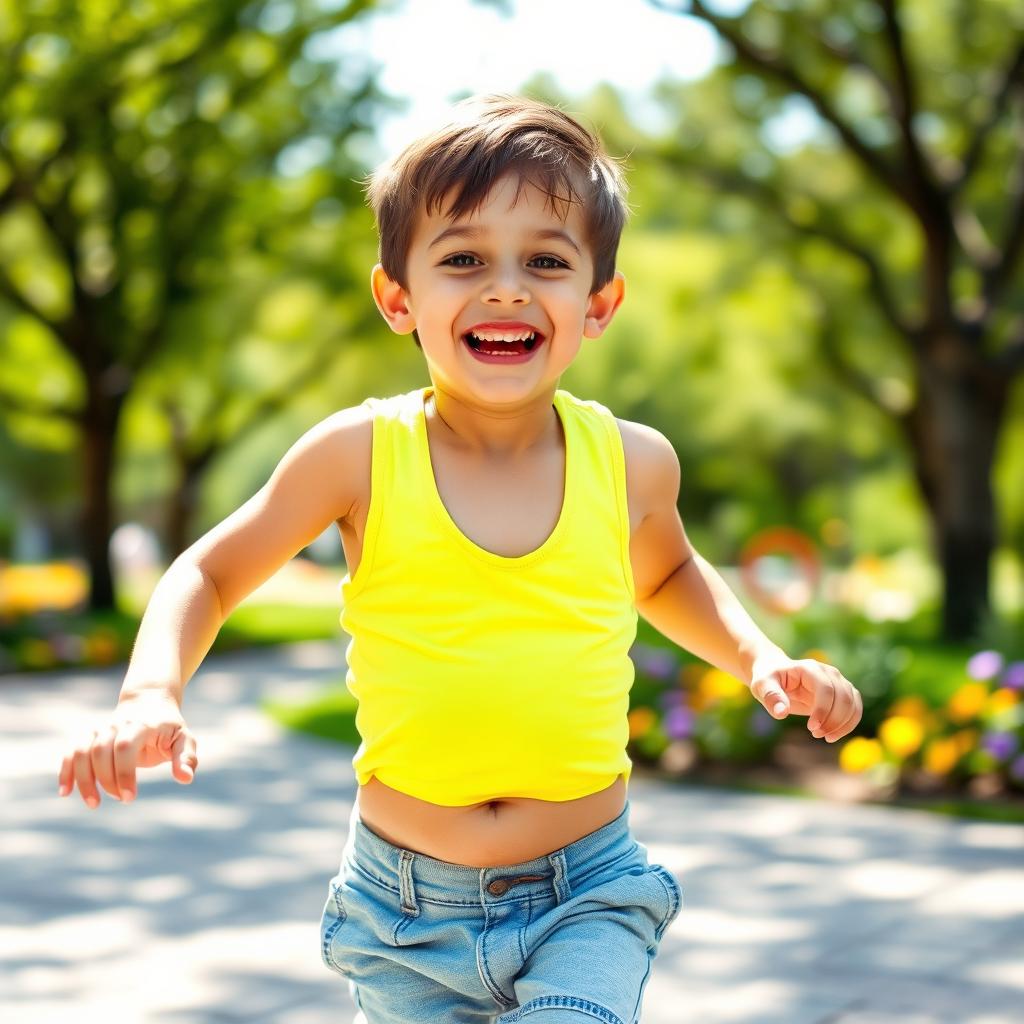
[472, 232]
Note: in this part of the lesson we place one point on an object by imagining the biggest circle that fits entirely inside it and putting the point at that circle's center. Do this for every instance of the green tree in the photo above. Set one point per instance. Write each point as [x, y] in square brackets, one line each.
[135, 141]
[918, 183]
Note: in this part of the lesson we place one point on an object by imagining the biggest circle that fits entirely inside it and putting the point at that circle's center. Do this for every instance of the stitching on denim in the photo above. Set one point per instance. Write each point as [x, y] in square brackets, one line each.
[643, 986]
[338, 905]
[427, 899]
[326, 944]
[412, 908]
[359, 869]
[674, 902]
[522, 932]
[565, 1002]
[481, 968]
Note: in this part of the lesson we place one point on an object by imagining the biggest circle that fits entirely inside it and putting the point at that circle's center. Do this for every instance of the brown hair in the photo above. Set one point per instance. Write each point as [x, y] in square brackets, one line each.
[490, 136]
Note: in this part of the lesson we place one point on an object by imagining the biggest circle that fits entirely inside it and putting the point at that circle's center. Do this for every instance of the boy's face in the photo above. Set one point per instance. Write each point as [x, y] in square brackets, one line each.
[506, 271]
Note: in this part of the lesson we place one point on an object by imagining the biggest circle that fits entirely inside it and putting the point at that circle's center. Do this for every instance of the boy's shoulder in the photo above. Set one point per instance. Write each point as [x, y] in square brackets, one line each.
[652, 465]
[341, 444]
[345, 440]
[647, 447]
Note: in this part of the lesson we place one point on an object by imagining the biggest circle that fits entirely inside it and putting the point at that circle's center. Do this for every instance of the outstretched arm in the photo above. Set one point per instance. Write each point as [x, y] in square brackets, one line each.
[682, 595]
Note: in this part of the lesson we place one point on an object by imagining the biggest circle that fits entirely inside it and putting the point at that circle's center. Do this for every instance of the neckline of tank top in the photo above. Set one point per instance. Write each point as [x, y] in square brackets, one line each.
[506, 561]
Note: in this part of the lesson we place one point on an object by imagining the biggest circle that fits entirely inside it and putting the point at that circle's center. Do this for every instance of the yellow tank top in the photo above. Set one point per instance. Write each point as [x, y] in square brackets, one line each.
[481, 676]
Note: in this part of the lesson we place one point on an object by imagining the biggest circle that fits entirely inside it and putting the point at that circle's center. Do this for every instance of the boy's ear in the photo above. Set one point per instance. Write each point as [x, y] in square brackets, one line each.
[603, 304]
[392, 301]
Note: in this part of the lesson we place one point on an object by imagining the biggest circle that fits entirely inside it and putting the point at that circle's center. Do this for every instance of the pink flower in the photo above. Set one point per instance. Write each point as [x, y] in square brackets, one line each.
[985, 665]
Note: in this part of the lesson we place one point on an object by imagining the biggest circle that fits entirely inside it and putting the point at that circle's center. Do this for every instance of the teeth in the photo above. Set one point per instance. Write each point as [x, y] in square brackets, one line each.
[505, 337]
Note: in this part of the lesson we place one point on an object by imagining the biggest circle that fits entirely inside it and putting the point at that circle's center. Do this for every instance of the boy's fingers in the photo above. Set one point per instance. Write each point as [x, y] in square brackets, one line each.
[128, 743]
[824, 698]
[184, 760]
[102, 758]
[768, 690]
[82, 774]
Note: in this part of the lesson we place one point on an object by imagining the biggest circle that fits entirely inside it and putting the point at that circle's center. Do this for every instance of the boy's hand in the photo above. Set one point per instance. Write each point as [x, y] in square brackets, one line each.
[144, 730]
[807, 687]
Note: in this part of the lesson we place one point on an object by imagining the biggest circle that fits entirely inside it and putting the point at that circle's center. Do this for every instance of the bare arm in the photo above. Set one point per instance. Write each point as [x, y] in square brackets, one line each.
[181, 621]
[677, 590]
[312, 487]
[682, 595]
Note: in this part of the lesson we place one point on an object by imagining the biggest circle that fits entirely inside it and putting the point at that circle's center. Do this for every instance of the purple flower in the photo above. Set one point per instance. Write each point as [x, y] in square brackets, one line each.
[985, 665]
[671, 698]
[1000, 744]
[655, 661]
[679, 722]
[1017, 768]
[1014, 676]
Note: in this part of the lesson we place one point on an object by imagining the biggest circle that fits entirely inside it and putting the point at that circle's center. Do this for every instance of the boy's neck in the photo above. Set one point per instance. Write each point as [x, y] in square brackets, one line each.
[489, 433]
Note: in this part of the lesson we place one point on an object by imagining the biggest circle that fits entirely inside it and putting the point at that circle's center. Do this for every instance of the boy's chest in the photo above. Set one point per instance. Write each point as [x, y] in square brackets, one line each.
[508, 510]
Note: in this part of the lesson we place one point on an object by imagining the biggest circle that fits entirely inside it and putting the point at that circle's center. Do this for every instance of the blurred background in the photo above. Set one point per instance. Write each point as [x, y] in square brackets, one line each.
[824, 314]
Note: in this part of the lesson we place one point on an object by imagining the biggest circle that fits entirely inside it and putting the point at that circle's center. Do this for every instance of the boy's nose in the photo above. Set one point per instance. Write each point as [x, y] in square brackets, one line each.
[506, 286]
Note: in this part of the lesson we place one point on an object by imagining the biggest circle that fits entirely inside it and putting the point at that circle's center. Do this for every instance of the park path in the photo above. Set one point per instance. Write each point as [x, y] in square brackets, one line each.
[201, 903]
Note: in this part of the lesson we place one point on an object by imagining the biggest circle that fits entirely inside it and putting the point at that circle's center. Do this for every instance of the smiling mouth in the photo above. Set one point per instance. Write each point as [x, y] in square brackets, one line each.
[500, 347]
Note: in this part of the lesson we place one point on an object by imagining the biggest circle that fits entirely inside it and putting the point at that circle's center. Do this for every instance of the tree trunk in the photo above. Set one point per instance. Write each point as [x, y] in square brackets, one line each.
[953, 430]
[100, 436]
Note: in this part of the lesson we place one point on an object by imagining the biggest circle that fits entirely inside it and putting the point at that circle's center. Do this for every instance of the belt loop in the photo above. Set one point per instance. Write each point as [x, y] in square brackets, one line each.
[407, 890]
[561, 879]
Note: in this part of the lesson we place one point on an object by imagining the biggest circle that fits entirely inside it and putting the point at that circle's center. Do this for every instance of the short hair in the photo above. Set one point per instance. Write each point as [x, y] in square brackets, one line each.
[490, 136]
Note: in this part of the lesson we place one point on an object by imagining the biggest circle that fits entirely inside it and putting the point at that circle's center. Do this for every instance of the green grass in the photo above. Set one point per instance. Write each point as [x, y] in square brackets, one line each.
[259, 624]
[331, 715]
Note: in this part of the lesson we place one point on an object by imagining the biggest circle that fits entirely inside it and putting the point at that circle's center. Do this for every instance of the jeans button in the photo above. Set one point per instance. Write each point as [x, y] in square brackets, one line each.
[499, 887]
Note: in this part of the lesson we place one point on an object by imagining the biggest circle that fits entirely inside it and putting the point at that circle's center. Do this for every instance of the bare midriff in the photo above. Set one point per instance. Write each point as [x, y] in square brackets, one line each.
[488, 834]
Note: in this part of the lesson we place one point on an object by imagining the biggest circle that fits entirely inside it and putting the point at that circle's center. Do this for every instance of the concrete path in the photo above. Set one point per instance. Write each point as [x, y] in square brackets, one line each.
[202, 903]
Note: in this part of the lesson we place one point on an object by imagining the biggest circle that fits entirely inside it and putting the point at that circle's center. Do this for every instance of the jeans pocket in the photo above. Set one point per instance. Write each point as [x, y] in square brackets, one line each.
[332, 920]
[673, 893]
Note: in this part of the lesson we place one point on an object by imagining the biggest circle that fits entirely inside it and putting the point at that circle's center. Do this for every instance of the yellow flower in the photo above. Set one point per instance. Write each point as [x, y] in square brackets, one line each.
[1001, 699]
[917, 708]
[965, 739]
[911, 707]
[901, 735]
[942, 754]
[717, 685]
[859, 754]
[967, 702]
[640, 720]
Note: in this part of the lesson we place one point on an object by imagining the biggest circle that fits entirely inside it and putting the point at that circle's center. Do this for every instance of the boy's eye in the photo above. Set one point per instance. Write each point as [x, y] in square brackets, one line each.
[557, 263]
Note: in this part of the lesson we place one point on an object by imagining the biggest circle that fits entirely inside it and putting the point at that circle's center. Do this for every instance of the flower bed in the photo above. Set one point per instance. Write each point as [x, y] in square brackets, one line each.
[971, 740]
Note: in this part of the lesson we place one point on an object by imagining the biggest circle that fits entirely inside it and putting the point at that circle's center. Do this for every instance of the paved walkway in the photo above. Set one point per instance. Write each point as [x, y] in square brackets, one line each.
[201, 903]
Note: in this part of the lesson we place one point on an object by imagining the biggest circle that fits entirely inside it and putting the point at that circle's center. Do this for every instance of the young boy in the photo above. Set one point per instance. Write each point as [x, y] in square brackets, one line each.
[501, 537]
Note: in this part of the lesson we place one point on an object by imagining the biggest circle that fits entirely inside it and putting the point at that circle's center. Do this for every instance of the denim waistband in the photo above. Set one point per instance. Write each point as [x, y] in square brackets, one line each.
[402, 869]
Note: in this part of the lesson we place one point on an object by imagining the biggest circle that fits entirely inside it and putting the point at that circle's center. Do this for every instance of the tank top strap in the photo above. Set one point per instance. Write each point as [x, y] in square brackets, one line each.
[388, 415]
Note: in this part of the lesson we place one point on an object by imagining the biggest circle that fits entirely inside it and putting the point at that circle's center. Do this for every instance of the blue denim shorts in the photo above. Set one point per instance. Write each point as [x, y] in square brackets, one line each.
[566, 937]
